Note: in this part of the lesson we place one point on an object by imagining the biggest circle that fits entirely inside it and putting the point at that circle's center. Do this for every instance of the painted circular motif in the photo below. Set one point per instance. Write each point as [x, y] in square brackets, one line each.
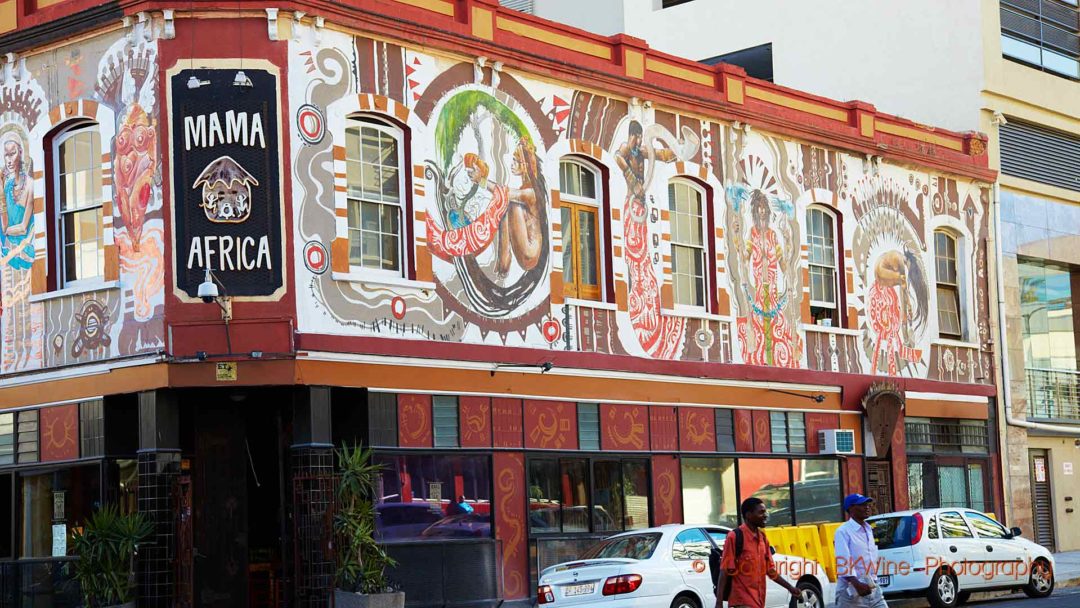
[398, 308]
[310, 123]
[703, 338]
[316, 258]
[90, 327]
[699, 566]
[552, 330]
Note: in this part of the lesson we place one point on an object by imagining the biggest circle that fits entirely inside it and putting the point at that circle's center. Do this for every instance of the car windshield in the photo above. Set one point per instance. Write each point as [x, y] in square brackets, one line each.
[892, 532]
[633, 546]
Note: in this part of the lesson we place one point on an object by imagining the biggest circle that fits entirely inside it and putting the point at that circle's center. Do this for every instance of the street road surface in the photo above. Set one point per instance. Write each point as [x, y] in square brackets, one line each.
[1061, 598]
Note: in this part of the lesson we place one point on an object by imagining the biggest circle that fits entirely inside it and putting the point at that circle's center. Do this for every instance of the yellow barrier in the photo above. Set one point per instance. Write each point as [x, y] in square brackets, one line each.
[812, 542]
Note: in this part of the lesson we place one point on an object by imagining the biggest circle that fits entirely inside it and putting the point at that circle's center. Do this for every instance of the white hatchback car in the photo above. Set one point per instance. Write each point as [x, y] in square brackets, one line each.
[665, 567]
[946, 554]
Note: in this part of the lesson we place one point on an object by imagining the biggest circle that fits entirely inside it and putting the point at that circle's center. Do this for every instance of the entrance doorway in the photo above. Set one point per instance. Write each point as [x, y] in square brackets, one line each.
[232, 545]
[1042, 505]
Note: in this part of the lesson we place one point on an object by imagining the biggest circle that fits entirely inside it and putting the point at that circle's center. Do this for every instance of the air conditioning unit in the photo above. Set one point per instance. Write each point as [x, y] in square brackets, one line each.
[836, 441]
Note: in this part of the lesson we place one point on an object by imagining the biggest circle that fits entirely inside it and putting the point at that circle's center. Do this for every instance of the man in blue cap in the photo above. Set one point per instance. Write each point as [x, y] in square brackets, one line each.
[857, 558]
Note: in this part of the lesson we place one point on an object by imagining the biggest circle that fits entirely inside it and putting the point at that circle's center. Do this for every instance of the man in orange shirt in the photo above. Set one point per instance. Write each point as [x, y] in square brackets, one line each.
[746, 570]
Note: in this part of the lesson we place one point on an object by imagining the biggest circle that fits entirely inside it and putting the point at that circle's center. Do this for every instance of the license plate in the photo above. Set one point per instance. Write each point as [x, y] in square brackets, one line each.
[573, 590]
[883, 581]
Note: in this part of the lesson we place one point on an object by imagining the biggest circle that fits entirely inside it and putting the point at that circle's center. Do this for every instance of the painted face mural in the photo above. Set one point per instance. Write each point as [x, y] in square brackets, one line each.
[889, 260]
[763, 262]
[490, 221]
[136, 165]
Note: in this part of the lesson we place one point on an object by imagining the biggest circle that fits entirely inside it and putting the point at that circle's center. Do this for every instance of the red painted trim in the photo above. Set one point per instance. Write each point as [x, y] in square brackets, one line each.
[854, 385]
[433, 30]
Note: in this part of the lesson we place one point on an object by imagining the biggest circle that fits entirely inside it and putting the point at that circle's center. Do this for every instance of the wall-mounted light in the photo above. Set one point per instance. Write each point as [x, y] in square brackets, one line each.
[818, 398]
[211, 290]
[242, 80]
[546, 366]
[194, 82]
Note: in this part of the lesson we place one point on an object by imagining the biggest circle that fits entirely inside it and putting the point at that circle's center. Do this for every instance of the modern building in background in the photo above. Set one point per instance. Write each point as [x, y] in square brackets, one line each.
[580, 284]
[1008, 68]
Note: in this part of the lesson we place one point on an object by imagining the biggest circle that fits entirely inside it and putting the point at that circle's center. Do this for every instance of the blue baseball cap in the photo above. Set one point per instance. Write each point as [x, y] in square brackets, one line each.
[854, 500]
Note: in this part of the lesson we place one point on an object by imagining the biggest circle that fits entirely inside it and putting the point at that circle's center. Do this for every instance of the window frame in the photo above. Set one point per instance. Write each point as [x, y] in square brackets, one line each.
[58, 139]
[705, 225]
[404, 209]
[836, 268]
[955, 289]
[572, 285]
[788, 417]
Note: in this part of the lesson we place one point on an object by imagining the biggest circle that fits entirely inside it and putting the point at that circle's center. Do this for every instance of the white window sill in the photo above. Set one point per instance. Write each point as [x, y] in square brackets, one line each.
[381, 280]
[692, 313]
[74, 291]
[825, 329]
[956, 343]
[590, 303]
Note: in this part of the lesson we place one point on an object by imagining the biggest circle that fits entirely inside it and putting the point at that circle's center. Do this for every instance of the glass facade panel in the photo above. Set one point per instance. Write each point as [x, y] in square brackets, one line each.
[421, 497]
[708, 491]
[817, 491]
[63, 497]
[1046, 312]
[770, 480]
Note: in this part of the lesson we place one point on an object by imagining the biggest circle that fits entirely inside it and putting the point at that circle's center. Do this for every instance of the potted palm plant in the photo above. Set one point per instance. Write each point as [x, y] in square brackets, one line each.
[106, 546]
[361, 563]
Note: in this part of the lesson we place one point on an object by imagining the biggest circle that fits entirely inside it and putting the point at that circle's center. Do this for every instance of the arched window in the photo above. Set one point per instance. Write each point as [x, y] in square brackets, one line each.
[824, 273]
[375, 178]
[686, 202]
[76, 169]
[950, 321]
[580, 203]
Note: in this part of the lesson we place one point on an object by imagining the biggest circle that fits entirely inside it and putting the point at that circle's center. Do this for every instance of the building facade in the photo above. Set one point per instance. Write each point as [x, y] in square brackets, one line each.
[1013, 74]
[578, 284]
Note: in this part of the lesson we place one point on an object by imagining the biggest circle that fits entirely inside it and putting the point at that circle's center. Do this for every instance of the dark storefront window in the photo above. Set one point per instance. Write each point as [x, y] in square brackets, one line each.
[817, 490]
[708, 491]
[49, 500]
[559, 497]
[419, 497]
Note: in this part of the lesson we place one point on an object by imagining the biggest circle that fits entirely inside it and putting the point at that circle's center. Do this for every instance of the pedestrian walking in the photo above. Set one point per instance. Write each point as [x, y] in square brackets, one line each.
[747, 560]
[857, 558]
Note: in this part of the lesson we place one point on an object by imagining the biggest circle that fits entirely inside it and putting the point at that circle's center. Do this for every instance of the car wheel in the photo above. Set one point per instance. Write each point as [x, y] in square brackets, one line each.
[811, 595]
[1042, 579]
[963, 597]
[943, 591]
[684, 601]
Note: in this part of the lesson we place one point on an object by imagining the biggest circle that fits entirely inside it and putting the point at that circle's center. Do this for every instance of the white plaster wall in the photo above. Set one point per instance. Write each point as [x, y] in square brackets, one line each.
[921, 59]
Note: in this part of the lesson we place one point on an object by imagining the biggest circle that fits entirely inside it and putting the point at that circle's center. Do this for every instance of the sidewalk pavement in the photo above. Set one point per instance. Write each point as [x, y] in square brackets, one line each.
[1066, 574]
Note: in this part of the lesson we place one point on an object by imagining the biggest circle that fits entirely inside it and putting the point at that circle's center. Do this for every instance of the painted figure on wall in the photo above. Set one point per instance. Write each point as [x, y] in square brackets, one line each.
[897, 306]
[767, 328]
[888, 258]
[17, 210]
[763, 262]
[659, 335]
[491, 217]
[22, 319]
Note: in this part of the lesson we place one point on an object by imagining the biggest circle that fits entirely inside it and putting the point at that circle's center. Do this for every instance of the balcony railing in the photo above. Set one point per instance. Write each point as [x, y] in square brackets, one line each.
[1053, 393]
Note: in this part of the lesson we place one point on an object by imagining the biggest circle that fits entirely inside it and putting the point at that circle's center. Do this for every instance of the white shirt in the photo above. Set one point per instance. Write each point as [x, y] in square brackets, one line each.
[856, 554]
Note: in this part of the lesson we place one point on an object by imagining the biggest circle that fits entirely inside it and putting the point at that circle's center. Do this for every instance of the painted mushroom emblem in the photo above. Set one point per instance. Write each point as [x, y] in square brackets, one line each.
[226, 191]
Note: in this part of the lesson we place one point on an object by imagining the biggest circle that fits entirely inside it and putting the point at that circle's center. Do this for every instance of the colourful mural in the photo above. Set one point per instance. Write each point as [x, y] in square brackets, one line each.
[487, 261]
[107, 84]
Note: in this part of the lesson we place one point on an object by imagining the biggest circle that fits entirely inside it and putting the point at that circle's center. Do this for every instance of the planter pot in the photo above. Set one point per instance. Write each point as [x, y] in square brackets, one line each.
[345, 599]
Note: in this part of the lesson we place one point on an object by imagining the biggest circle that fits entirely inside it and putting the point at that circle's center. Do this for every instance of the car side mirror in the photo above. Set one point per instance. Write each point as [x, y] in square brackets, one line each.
[772, 549]
[1016, 532]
